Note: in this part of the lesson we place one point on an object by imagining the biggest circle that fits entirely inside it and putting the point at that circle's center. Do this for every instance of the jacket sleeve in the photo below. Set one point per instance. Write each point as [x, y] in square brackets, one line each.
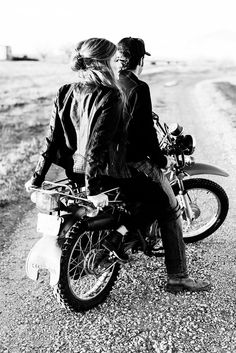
[141, 111]
[50, 147]
[103, 135]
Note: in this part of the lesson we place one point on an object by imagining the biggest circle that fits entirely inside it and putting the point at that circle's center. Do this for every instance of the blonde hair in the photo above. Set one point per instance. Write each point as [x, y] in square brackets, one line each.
[91, 60]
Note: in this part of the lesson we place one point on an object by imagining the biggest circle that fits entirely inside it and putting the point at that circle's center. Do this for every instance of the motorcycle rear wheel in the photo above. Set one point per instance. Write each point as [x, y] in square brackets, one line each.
[87, 274]
[209, 203]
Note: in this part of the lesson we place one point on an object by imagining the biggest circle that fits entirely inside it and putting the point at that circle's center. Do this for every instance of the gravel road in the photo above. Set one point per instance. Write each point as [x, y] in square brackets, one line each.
[139, 316]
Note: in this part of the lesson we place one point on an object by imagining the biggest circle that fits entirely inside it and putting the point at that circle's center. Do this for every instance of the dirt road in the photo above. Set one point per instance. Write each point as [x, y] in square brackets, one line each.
[139, 316]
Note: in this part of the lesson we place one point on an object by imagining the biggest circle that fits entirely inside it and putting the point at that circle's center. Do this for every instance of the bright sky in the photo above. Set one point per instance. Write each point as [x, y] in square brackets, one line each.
[169, 27]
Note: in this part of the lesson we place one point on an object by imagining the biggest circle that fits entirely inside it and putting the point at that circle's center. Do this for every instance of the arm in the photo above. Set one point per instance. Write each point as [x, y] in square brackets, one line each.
[50, 147]
[141, 127]
[102, 137]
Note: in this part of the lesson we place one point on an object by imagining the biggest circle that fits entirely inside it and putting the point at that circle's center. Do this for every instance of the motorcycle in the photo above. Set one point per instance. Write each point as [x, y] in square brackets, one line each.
[82, 271]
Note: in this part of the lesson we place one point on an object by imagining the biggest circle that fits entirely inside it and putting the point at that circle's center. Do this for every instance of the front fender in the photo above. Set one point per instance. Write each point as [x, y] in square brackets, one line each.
[201, 168]
[45, 254]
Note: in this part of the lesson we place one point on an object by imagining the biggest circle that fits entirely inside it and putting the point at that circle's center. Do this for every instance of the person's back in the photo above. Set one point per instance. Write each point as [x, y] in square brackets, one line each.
[81, 111]
[142, 136]
[143, 140]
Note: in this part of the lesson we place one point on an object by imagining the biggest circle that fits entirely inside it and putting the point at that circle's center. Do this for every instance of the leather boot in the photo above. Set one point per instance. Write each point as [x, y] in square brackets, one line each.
[114, 245]
[176, 285]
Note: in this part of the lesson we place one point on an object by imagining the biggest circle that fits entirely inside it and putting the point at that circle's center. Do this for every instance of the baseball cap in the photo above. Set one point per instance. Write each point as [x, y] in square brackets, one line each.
[135, 46]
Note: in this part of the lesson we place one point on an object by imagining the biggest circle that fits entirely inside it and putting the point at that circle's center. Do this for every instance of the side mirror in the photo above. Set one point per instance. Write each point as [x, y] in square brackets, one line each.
[175, 129]
[155, 117]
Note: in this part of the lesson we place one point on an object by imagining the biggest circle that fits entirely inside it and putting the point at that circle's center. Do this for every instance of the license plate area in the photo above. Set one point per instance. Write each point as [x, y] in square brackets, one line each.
[48, 224]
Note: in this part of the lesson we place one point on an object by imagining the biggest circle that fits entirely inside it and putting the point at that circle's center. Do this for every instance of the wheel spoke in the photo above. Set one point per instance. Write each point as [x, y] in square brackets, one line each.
[205, 206]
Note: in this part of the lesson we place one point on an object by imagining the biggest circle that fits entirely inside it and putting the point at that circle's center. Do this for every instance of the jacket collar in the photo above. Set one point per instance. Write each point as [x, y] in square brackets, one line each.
[129, 74]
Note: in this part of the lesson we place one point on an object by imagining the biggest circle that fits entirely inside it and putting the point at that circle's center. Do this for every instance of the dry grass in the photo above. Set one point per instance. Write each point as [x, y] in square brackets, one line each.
[27, 90]
[15, 169]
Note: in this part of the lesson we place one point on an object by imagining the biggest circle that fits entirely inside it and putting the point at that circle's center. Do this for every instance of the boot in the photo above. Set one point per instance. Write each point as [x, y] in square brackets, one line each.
[114, 245]
[175, 285]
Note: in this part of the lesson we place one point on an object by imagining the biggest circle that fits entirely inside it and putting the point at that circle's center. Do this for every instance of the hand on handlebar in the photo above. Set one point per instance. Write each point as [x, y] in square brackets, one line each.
[29, 184]
[99, 201]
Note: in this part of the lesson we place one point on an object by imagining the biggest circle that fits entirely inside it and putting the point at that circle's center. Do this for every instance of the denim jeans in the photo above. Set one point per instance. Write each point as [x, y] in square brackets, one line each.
[166, 210]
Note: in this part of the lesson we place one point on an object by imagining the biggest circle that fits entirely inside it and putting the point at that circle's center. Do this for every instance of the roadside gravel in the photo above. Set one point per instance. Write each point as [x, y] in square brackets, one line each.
[138, 316]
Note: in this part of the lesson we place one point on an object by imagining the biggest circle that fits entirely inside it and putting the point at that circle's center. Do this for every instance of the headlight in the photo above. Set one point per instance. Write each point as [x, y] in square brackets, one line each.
[46, 200]
[190, 144]
[186, 144]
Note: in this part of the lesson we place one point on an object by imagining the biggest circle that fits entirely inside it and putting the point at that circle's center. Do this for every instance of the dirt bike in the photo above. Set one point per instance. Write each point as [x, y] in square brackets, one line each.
[82, 271]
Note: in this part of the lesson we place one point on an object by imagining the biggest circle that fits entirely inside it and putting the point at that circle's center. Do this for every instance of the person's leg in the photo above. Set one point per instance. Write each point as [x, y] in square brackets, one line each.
[173, 244]
[168, 215]
[167, 212]
[171, 229]
[141, 213]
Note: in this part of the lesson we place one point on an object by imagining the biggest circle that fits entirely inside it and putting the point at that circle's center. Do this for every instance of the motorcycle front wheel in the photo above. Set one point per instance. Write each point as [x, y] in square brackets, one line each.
[209, 204]
[87, 273]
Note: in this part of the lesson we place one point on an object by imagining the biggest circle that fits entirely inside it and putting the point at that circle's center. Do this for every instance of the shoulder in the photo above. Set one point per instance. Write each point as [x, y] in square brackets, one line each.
[65, 88]
[64, 92]
[142, 86]
[110, 90]
[127, 80]
[130, 83]
[140, 91]
[111, 94]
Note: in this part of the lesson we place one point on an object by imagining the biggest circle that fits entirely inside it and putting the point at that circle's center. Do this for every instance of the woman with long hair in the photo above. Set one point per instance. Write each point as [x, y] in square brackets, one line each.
[86, 134]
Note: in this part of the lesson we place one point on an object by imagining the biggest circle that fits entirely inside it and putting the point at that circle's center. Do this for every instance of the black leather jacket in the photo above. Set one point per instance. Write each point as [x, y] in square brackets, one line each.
[142, 135]
[86, 135]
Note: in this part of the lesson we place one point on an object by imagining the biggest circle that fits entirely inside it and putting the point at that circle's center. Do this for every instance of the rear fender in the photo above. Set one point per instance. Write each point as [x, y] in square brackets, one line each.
[46, 253]
[201, 168]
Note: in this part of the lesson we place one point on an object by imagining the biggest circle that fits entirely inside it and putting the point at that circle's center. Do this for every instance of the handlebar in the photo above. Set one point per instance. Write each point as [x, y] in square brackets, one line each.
[172, 140]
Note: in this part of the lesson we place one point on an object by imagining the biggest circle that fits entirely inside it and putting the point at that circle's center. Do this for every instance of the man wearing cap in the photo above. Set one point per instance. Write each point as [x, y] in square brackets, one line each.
[145, 155]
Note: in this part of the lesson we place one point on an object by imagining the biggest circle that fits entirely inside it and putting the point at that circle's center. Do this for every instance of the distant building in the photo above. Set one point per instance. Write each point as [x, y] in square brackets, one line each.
[5, 52]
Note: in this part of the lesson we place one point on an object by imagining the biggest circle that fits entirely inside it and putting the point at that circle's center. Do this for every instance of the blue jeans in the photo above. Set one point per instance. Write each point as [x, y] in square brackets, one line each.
[167, 212]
